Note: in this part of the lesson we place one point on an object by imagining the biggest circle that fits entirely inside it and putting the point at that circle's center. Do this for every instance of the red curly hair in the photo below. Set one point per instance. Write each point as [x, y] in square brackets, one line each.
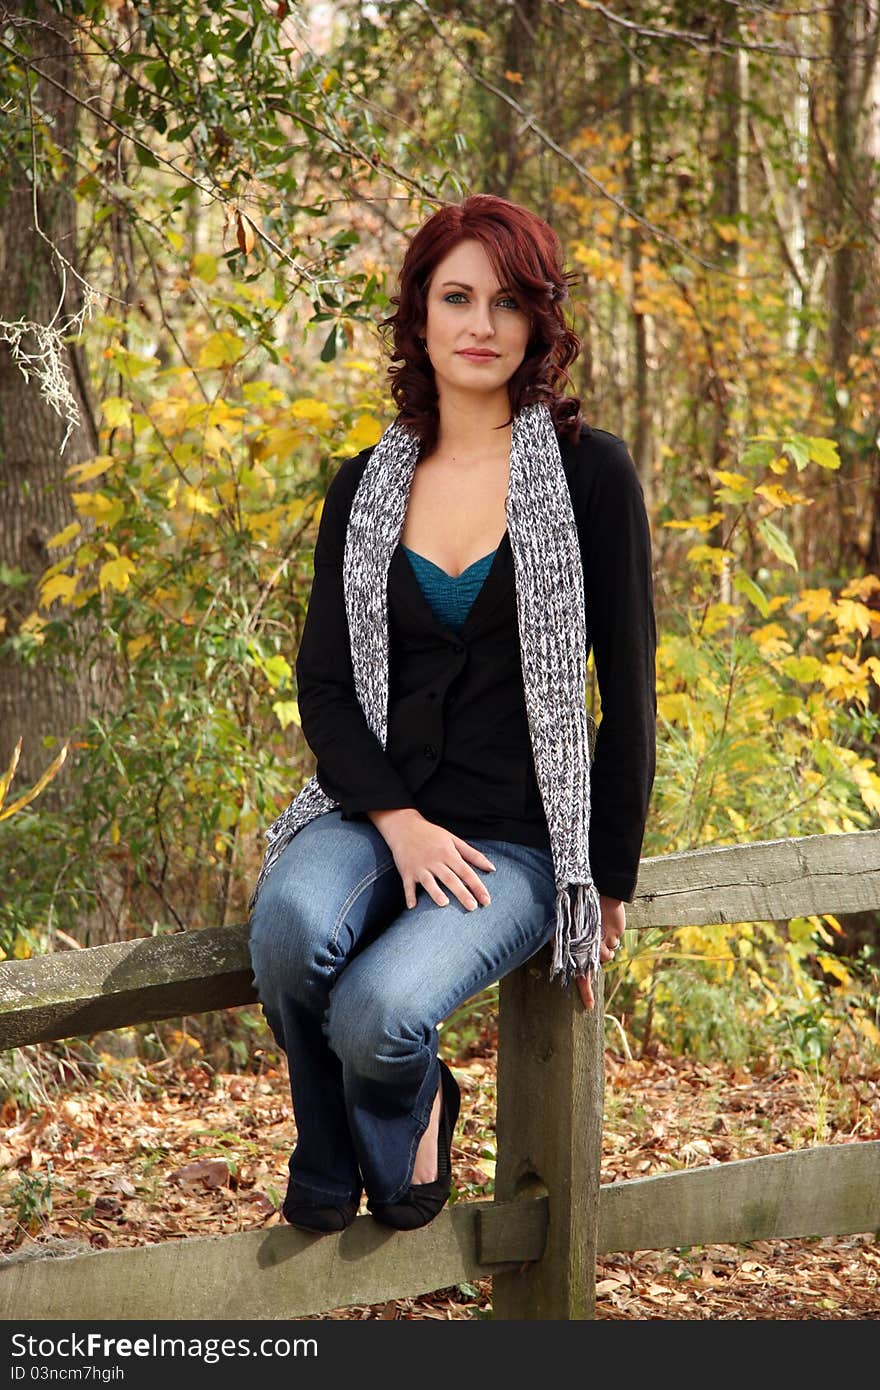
[527, 256]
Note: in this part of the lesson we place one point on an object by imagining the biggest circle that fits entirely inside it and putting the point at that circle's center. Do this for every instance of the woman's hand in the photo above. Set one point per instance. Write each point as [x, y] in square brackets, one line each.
[613, 927]
[427, 854]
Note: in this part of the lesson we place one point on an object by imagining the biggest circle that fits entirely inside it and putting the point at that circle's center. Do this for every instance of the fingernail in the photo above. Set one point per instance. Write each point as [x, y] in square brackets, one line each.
[492, 867]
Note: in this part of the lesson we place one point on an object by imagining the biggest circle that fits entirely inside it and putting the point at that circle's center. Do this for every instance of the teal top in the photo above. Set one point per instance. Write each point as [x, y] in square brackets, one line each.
[450, 596]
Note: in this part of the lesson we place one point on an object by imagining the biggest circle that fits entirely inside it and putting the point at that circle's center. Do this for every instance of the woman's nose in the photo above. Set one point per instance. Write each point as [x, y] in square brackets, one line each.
[481, 321]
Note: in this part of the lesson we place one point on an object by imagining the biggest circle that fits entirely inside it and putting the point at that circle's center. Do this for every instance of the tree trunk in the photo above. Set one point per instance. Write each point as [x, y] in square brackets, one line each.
[37, 699]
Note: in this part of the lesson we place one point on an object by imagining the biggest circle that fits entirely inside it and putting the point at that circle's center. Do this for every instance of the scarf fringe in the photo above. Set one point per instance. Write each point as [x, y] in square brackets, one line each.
[578, 937]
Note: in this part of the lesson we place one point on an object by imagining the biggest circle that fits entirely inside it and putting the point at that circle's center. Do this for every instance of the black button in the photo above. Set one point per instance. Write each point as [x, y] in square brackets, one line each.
[430, 750]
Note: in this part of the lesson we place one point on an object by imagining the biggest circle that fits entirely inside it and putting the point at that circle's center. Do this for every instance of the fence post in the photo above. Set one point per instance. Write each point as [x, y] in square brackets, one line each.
[551, 1075]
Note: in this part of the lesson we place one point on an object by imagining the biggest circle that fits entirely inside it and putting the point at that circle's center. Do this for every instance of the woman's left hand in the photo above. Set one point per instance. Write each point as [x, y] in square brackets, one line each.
[613, 927]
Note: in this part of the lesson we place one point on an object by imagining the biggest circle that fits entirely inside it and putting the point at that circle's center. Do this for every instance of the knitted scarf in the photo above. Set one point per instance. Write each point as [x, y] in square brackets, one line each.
[553, 644]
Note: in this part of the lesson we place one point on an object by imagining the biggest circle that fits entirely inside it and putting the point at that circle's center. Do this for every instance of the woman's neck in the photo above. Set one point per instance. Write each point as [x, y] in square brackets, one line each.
[473, 426]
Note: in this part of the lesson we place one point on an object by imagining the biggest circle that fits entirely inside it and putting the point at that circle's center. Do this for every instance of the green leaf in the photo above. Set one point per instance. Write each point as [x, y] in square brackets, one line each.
[757, 455]
[146, 157]
[798, 450]
[777, 541]
[744, 585]
[328, 351]
[802, 668]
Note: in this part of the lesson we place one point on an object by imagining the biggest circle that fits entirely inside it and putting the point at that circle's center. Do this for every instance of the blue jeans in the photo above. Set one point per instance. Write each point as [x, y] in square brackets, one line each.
[353, 984]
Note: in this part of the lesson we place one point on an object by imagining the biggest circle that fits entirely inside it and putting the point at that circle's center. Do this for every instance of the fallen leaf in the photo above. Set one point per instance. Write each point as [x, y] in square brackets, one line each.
[210, 1173]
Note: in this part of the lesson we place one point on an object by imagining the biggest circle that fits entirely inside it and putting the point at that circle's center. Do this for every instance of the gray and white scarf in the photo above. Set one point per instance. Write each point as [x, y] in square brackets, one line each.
[553, 645]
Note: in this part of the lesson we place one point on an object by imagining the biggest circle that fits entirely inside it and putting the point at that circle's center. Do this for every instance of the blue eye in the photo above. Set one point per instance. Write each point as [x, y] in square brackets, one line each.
[508, 301]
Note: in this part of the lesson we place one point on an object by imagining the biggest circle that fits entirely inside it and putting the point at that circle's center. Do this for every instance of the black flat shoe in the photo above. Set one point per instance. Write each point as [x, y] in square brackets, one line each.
[319, 1216]
[309, 1216]
[424, 1200]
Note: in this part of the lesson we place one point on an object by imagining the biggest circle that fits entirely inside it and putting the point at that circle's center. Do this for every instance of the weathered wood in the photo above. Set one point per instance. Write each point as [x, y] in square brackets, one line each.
[549, 1131]
[74, 993]
[82, 992]
[511, 1232]
[278, 1273]
[770, 880]
[832, 1190]
[284, 1273]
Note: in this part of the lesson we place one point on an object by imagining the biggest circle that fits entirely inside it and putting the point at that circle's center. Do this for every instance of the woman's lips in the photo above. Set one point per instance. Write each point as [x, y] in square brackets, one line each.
[480, 356]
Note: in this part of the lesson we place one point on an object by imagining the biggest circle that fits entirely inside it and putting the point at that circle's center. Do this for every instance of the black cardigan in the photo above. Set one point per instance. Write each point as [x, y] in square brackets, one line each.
[458, 746]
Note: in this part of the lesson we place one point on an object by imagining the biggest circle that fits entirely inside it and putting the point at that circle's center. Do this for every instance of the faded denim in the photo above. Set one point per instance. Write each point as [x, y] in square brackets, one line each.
[353, 984]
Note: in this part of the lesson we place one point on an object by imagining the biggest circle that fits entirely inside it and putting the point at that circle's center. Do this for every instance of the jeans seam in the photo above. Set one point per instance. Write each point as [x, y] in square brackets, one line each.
[349, 901]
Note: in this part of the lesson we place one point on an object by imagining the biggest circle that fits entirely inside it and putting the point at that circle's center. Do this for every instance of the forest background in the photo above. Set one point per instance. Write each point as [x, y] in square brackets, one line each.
[202, 208]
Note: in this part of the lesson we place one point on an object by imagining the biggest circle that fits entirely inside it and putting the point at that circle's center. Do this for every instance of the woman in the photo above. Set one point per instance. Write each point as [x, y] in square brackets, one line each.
[463, 565]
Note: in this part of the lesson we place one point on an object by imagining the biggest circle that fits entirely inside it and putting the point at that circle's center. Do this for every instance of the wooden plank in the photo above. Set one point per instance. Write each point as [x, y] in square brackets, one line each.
[549, 1129]
[830, 1190]
[74, 993]
[276, 1273]
[770, 880]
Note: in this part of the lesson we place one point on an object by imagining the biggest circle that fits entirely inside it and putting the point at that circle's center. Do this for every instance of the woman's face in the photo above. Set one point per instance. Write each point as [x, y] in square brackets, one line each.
[476, 334]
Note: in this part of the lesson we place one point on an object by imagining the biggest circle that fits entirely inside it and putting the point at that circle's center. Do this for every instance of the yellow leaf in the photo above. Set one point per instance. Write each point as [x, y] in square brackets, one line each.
[778, 496]
[314, 412]
[117, 573]
[115, 834]
[276, 669]
[57, 541]
[97, 505]
[286, 712]
[222, 350]
[7, 776]
[137, 644]
[832, 966]
[366, 430]
[851, 616]
[701, 523]
[733, 480]
[38, 786]
[725, 231]
[92, 468]
[862, 587]
[814, 604]
[279, 442]
[61, 586]
[205, 266]
[772, 638]
[196, 501]
[718, 615]
[116, 412]
[867, 1027]
[674, 707]
[513, 76]
[802, 668]
[712, 555]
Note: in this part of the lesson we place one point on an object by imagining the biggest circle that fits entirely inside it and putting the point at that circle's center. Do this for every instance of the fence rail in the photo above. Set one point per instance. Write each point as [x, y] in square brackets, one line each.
[540, 1237]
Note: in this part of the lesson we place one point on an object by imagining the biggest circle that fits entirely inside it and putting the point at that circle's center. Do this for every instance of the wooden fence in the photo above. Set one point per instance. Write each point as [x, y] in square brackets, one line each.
[549, 1219]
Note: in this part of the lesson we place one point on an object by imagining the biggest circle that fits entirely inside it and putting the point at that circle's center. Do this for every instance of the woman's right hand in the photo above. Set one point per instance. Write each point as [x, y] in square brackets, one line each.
[427, 854]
